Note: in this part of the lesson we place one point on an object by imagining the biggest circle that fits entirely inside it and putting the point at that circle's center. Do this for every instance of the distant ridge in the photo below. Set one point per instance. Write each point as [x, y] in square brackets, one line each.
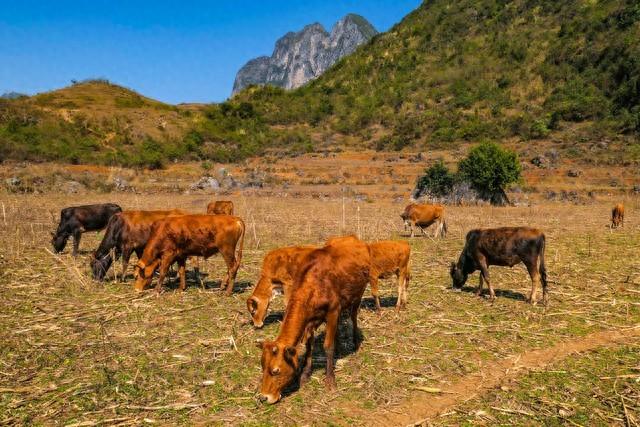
[301, 56]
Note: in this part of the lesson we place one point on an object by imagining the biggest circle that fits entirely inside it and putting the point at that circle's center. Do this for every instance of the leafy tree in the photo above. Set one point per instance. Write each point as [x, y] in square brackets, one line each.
[489, 169]
[436, 181]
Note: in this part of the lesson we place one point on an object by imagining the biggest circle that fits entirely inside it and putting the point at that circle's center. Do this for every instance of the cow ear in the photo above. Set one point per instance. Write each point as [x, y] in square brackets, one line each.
[260, 343]
[290, 355]
[253, 303]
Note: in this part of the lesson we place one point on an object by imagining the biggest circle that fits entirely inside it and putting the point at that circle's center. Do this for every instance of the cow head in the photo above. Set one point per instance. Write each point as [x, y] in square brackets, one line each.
[59, 241]
[279, 369]
[100, 265]
[144, 274]
[458, 276]
[258, 309]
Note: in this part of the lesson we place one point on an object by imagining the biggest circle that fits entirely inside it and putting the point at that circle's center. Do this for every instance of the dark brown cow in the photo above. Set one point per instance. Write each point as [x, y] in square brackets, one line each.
[617, 216]
[126, 232]
[390, 257]
[174, 239]
[220, 207]
[278, 272]
[423, 216]
[332, 279]
[505, 246]
[76, 220]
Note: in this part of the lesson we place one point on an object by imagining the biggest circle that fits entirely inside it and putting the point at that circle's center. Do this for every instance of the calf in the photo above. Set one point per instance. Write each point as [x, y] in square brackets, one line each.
[505, 246]
[126, 232]
[76, 220]
[390, 257]
[220, 207]
[174, 239]
[423, 216]
[278, 272]
[332, 279]
[617, 216]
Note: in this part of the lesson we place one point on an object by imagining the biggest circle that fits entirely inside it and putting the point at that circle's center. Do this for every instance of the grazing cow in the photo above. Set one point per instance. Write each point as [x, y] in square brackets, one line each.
[423, 216]
[174, 239]
[220, 207]
[76, 220]
[127, 232]
[278, 272]
[332, 279]
[390, 257]
[617, 216]
[505, 246]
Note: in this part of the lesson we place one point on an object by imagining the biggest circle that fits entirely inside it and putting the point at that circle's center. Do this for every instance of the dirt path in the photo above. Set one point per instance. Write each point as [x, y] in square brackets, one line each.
[423, 406]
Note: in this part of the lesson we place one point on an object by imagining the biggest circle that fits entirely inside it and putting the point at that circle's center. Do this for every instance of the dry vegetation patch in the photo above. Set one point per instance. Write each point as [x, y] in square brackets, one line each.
[75, 351]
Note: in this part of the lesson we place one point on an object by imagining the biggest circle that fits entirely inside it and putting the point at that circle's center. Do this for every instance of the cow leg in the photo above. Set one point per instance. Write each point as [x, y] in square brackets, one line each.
[182, 273]
[534, 273]
[308, 357]
[484, 271]
[411, 228]
[76, 241]
[329, 346]
[403, 284]
[374, 290]
[480, 283]
[232, 268]
[126, 256]
[165, 263]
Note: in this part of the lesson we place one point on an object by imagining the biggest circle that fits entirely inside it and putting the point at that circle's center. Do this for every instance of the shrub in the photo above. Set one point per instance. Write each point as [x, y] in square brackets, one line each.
[437, 181]
[490, 169]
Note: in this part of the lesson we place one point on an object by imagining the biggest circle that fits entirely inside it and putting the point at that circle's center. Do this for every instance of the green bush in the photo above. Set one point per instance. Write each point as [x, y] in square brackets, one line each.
[489, 169]
[436, 181]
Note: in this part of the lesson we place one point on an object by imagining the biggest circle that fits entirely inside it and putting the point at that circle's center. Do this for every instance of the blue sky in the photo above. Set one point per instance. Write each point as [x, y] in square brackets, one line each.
[174, 51]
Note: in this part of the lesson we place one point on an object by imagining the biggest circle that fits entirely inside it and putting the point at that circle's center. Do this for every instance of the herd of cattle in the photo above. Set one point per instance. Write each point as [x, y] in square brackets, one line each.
[318, 283]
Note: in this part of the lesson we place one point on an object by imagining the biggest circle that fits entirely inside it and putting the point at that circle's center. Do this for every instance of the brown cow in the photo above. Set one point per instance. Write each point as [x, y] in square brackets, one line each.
[423, 216]
[332, 279]
[127, 232]
[505, 246]
[220, 207]
[390, 257]
[174, 239]
[278, 272]
[617, 216]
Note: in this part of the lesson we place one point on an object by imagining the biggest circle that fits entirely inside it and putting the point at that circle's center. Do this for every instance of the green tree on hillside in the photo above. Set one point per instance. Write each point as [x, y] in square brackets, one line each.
[489, 169]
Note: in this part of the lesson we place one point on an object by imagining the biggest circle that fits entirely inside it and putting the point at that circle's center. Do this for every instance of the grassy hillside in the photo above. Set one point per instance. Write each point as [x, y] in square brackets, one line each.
[93, 121]
[476, 69]
[449, 73]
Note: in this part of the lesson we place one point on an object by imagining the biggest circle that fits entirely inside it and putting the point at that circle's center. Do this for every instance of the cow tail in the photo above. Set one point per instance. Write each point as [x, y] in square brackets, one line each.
[543, 268]
[240, 244]
[444, 227]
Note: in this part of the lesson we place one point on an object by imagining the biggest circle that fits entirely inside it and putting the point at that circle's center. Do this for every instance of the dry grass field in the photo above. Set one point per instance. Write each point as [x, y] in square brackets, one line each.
[76, 352]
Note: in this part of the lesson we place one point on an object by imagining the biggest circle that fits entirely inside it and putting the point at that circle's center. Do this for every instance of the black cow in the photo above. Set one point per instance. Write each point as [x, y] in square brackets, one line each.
[76, 220]
[505, 246]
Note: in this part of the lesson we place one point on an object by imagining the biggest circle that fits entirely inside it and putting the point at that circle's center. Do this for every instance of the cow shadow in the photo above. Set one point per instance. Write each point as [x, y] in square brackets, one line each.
[344, 347]
[193, 281]
[385, 302]
[500, 293]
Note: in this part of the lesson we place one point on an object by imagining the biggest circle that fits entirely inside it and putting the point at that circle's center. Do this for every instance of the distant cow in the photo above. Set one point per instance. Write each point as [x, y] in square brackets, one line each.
[617, 216]
[126, 232]
[220, 207]
[423, 216]
[505, 246]
[176, 238]
[278, 272]
[332, 279]
[76, 220]
[387, 258]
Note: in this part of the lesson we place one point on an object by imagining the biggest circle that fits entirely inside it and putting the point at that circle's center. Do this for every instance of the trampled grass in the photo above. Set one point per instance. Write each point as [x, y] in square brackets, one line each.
[78, 352]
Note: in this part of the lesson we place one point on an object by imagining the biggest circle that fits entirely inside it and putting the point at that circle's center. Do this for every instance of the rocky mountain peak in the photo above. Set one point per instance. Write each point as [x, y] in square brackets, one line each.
[299, 57]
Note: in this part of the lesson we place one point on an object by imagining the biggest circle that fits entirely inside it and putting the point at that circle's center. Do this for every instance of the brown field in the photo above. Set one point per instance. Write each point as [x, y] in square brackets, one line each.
[76, 352]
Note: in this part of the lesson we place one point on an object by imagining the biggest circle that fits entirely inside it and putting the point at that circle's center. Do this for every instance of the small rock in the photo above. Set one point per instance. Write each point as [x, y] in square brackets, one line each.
[13, 181]
[121, 184]
[540, 161]
[574, 173]
[636, 188]
[205, 183]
